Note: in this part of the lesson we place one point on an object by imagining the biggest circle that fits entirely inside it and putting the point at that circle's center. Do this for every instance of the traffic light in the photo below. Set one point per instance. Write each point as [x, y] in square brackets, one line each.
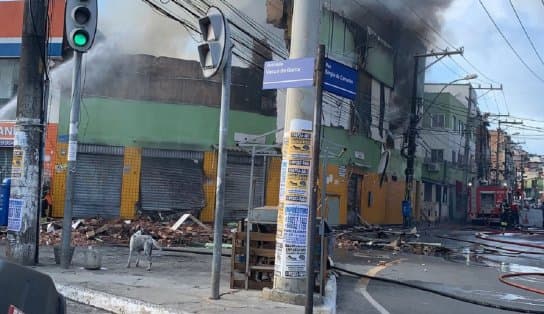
[213, 51]
[81, 19]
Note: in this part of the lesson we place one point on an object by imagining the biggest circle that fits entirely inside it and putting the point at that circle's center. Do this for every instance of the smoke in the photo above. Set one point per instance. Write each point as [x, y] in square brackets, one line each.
[124, 27]
[409, 27]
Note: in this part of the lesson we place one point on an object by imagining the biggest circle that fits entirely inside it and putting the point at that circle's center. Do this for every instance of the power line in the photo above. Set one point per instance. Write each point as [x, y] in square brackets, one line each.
[526, 33]
[509, 44]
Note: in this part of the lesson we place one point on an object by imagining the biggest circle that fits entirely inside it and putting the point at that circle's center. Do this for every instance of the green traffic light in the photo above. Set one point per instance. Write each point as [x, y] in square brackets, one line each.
[81, 38]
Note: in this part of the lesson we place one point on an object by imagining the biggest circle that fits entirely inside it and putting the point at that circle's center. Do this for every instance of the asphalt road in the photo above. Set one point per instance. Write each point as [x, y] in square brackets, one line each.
[401, 300]
[471, 275]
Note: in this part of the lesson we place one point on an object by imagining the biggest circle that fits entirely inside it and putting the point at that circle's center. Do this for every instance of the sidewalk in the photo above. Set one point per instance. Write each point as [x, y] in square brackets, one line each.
[177, 283]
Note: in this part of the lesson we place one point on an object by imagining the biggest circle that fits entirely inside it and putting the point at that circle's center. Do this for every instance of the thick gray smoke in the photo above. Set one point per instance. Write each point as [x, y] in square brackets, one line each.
[407, 25]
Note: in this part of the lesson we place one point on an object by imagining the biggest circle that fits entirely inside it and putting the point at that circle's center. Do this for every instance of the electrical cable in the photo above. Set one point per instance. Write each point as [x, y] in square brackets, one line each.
[510, 44]
[526, 32]
[438, 292]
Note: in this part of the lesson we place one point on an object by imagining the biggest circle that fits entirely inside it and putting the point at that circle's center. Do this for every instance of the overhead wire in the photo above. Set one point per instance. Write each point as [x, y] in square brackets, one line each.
[509, 43]
[526, 32]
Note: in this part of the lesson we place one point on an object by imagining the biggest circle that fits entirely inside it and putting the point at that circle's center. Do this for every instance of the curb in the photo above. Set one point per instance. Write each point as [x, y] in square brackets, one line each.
[329, 300]
[110, 302]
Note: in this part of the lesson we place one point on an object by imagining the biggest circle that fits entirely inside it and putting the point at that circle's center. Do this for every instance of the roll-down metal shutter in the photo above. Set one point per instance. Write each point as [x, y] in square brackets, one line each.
[6, 156]
[172, 180]
[98, 181]
[237, 186]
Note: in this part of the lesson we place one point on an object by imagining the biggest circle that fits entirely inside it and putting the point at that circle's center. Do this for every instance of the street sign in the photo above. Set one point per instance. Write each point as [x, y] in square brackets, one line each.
[340, 79]
[289, 73]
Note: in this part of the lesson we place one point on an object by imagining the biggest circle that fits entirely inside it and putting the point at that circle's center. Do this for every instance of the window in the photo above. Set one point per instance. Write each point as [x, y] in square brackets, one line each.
[438, 121]
[437, 155]
[428, 192]
[370, 200]
[453, 155]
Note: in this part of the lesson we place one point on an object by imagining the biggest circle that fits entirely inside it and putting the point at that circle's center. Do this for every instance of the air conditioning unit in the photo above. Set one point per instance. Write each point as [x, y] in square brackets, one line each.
[433, 167]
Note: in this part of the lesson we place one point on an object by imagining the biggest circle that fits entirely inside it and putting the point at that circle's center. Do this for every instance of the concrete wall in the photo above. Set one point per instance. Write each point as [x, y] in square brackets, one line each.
[129, 123]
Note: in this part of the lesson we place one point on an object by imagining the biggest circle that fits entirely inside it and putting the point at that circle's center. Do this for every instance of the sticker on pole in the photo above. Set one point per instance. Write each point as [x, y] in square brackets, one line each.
[340, 79]
[15, 214]
[291, 251]
[289, 73]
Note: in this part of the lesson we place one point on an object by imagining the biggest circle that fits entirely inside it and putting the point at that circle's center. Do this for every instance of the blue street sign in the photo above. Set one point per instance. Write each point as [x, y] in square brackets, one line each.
[289, 73]
[340, 79]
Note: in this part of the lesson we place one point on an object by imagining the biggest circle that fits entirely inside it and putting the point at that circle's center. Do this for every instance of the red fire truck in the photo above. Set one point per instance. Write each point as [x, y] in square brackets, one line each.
[488, 204]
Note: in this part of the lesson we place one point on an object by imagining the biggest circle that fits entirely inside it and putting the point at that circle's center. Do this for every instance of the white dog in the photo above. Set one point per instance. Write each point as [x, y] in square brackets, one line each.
[140, 242]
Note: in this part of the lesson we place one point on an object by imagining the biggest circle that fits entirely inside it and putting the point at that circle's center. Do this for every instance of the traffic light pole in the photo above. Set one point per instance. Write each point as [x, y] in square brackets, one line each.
[221, 171]
[72, 162]
[23, 227]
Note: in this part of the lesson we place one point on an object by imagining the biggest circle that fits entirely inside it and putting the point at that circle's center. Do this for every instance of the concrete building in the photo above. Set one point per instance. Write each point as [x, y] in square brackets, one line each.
[149, 127]
[444, 129]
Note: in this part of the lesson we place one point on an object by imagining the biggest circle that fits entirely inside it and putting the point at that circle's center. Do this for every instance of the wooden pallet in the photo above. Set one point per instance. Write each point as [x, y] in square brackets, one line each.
[261, 259]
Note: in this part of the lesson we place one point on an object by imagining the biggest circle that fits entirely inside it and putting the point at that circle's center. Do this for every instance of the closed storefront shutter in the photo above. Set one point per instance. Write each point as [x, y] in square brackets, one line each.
[172, 180]
[98, 181]
[237, 186]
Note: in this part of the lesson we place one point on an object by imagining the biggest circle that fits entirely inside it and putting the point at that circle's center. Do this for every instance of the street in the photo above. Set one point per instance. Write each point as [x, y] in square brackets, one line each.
[466, 271]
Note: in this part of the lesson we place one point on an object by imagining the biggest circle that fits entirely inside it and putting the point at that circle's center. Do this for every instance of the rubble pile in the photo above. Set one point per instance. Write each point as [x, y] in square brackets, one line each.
[117, 232]
[393, 239]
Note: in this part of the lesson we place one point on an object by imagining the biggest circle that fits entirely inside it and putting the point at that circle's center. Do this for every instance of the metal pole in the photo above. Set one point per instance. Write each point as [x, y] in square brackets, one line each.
[497, 181]
[324, 215]
[298, 112]
[468, 132]
[23, 223]
[72, 162]
[249, 208]
[316, 141]
[221, 171]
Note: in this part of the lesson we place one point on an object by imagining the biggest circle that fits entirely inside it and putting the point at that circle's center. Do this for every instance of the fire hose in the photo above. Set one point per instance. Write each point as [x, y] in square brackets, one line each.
[503, 277]
[440, 293]
[511, 251]
[484, 236]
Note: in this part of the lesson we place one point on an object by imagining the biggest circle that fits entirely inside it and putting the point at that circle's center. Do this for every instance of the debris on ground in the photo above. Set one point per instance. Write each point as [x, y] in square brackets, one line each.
[97, 231]
[385, 238]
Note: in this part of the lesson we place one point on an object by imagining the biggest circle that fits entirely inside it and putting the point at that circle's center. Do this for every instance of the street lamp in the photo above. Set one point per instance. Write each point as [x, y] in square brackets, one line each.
[468, 77]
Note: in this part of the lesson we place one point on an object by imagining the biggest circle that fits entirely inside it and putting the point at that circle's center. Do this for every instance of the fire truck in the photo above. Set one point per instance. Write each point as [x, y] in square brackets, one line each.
[488, 204]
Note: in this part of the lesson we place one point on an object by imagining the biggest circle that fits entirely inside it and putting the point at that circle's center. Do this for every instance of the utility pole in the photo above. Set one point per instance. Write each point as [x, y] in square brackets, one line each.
[469, 132]
[414, 119]
[290, 285]
[24, 202]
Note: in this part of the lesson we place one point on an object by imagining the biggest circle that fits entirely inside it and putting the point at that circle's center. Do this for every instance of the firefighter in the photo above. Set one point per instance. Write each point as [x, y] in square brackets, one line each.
[504, 215]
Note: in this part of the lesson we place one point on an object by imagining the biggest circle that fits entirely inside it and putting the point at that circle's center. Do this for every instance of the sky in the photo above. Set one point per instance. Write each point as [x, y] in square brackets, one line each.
[466, 24]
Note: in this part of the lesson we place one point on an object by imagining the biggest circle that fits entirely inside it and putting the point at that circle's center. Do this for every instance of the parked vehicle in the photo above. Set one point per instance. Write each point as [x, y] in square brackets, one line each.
[27, 291]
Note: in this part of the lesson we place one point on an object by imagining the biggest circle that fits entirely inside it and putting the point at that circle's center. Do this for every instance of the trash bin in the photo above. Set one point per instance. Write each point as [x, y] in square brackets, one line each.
[4, 201]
